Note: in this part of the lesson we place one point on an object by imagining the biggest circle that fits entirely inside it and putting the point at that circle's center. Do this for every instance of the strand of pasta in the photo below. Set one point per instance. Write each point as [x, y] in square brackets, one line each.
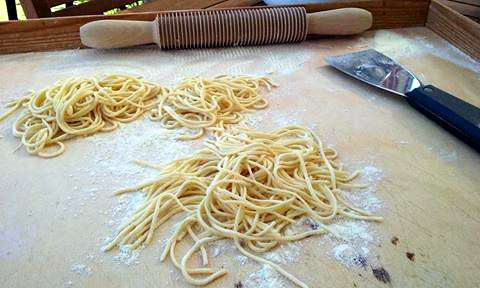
[248, 186]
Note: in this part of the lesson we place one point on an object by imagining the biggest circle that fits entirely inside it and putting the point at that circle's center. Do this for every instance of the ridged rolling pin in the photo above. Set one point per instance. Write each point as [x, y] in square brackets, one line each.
[225, 27]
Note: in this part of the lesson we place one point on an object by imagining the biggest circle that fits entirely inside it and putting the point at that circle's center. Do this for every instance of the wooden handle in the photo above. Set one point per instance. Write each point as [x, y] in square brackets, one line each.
[106, 34]
[345, 21]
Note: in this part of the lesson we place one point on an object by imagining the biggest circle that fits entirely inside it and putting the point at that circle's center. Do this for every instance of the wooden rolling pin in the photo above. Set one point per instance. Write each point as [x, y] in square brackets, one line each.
[225, 27]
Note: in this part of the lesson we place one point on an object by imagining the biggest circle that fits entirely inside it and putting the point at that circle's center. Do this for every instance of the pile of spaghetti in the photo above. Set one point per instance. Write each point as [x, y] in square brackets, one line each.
[84, 106]
[79, 107]
[247, 186]
[201, 104]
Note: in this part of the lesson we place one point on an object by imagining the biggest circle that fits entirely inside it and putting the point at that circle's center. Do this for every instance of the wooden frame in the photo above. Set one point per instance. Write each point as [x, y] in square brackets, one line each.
[90, 7]
[63, 33]
[459, 30]
[469, 8]
[41, 8]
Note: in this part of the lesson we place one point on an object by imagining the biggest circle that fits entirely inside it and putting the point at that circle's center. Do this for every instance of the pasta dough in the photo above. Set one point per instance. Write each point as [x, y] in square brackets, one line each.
[247, 186]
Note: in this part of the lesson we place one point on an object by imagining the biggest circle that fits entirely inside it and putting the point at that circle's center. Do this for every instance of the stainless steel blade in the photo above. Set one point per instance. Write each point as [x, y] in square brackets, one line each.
[376, 69]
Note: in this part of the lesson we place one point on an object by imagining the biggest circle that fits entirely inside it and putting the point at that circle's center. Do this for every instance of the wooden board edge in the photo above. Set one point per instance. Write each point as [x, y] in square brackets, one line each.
[463, 8]
[235, 3]
[457, 29]
[63, 32]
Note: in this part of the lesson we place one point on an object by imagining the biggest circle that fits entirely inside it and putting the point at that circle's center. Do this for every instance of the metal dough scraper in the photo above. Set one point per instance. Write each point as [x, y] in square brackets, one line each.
[374, 68]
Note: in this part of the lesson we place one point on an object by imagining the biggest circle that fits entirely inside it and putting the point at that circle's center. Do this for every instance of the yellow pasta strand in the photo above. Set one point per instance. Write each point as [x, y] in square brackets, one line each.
[247, 186]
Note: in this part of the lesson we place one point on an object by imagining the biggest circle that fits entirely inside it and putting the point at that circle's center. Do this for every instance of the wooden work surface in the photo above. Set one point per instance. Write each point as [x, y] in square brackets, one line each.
[55, 213]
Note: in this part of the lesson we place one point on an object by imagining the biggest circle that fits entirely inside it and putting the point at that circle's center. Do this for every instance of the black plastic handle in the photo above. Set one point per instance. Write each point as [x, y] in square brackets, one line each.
[457, 116]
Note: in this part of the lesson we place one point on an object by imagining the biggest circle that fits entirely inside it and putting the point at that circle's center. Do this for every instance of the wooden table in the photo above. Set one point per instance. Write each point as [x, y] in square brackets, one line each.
[55, 213]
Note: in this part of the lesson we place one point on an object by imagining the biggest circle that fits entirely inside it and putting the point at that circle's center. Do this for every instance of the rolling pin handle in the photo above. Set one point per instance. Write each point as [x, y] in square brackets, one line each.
[344, 21]
[105, 34]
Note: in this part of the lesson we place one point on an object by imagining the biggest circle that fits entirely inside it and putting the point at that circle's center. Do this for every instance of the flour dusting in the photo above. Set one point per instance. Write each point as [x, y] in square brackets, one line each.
[366, 198]
[139, 140]
[265, 277]
[222, 246]
[350, 256]
[127, 205]
[398, 45]
[81, 269]
[357, 236]
[127, 256]
[286, 253]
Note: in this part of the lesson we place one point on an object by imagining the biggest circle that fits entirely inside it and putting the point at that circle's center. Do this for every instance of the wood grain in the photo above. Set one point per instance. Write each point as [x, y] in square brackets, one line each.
[472, 2]
[461, 31]
[91, 7]
[474, 19]
[163, 5]
[36, 8]
[29, 9]
[406, 3]
[464, 8]
[355, 21]
[335, 5]
[51, 33]
[386, 14]
[235, 3]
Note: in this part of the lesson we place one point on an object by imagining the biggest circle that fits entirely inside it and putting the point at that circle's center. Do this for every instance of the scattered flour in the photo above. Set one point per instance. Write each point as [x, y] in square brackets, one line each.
[353, 250]
[242, 259]
[140, 140]
[351, 256]
[278, 119]
[81, 269]
[127, 256]
[265, 277]
[222, 246]
[355, 231]
[447, 155]
[366, 198]
[126, 206]
[112, 158]
[399, 44]
[287, 253]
